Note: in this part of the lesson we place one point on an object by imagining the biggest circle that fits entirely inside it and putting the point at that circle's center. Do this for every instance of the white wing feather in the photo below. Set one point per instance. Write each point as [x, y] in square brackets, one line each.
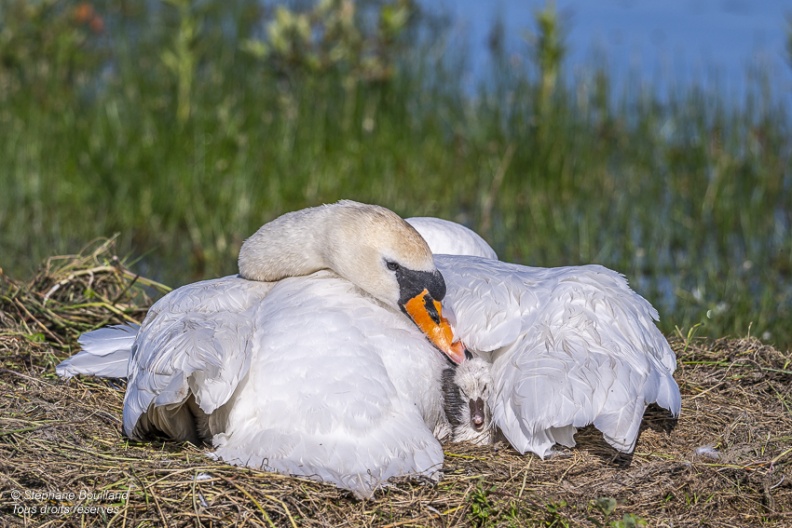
[105, 353]
[450, 238]
[577, 346]
[342, 390]
[194, 341]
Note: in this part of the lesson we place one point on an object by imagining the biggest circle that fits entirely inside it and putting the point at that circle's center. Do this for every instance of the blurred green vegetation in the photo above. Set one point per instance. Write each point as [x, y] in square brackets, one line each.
[186, 125]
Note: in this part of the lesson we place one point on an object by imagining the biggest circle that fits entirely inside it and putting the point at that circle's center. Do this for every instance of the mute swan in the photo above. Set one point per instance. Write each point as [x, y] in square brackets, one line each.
[568, 346]
[324, 375]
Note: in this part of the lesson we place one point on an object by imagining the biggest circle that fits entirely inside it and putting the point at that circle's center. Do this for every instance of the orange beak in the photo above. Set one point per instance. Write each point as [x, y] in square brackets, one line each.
[427, 314]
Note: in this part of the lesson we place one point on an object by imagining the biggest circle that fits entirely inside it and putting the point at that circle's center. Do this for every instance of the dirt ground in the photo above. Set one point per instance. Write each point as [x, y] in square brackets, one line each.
[727, 461]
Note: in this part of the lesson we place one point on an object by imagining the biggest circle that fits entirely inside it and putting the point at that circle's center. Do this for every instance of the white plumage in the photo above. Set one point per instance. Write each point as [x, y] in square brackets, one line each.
[318, 375]
[569, 347]
[449, 238]
[110, 350]
[353, 402]
[323, 376]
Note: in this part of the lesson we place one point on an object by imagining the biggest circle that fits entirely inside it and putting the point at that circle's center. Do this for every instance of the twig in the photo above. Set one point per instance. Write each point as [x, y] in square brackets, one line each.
[74, 275]
[39, 323]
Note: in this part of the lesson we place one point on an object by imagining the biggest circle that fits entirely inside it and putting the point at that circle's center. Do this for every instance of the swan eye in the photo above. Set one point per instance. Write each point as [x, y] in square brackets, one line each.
[392, 266]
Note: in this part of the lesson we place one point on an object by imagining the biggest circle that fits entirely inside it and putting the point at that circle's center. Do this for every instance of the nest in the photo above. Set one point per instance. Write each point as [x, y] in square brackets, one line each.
[64, 461]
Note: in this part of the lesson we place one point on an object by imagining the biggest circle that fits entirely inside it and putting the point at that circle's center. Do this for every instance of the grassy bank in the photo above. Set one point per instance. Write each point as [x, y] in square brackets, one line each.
[184, 128]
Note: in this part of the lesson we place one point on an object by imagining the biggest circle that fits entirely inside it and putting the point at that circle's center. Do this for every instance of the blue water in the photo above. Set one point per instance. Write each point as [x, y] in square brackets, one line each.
[664, 44]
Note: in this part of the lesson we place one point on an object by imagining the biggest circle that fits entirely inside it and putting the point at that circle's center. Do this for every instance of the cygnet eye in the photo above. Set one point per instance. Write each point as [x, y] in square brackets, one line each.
[392, 266]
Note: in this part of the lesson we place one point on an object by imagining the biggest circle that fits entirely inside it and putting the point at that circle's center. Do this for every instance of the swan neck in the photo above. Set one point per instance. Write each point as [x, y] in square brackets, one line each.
[289, 246]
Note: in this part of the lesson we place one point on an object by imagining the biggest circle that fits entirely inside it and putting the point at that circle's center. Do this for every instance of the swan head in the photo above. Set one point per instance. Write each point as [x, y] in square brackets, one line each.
[370, 246]
[378, 251]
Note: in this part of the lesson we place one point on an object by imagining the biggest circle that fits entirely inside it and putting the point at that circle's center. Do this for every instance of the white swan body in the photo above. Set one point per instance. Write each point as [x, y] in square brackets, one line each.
[366, 401]
[569, 347]
[322, 376]
[291, 379]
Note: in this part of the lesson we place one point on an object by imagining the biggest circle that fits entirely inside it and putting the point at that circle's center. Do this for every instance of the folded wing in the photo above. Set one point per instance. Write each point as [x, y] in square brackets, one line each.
[342, 390]
[574, 346]
[191, 353]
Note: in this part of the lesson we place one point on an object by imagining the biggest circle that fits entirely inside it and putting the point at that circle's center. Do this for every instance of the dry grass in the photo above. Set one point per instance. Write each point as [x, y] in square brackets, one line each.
[728, 461]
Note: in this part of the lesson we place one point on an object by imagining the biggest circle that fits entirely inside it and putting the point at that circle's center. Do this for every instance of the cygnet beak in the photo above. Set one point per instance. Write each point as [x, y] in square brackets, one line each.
[477, 413]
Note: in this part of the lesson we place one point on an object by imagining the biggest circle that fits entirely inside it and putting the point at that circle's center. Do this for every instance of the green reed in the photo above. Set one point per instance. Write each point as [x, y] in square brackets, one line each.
[185, 126]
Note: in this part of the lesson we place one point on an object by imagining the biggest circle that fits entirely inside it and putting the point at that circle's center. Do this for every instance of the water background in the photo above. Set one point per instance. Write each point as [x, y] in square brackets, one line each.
[668, 45]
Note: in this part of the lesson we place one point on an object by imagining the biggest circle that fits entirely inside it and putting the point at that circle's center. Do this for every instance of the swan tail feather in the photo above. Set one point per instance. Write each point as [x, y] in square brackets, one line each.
[105, 353]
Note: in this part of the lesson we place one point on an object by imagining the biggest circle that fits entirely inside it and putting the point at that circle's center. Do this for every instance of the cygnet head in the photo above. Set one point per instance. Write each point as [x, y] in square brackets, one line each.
[466, 391]
[368, 245]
